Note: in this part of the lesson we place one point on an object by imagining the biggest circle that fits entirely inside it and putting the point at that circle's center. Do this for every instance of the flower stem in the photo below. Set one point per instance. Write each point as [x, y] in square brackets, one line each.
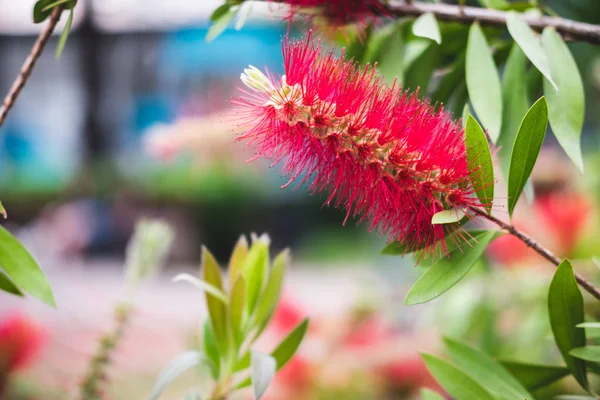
[92, 385]
[537, 247]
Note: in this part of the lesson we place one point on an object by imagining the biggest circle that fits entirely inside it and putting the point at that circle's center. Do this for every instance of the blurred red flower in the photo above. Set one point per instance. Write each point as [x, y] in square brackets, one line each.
[20, 341]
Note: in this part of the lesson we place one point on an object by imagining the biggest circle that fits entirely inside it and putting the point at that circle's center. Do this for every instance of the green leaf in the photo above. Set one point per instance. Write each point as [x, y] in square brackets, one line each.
[220, 12]
[566, 105]
[565, 307]
[178, 366]
[22, 268]
[263, 370]
[270, 296]
[591, 325]
[391, 63]
[288, 347]
[283, 353]
[456, 382]
[64, 35]
[8, 286]
[211, 349]
[220, 24]
[447, 217]
[526, 150]
[3, 211]
[426, 26]
[479, 162]
[39, 11]
[217, 309]
[202, 285]
[483, 83]
[243, 14]
[419, 73]
[237, 300]
[573, 397]
[533, 376]
[515, 103]
[487, 371]
[450, 81]
[255, 271]
[243, 362]
[448, 271]
[427, 394]
[528, 42]
[238, 258]
[587, 353]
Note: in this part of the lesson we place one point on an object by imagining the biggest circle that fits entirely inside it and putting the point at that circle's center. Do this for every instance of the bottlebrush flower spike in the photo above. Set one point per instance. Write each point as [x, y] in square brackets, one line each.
[377, 151]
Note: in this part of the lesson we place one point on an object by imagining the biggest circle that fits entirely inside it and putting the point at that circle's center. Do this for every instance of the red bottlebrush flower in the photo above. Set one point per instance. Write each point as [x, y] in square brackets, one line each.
[20, 340]
[377, 151]
[339, 12]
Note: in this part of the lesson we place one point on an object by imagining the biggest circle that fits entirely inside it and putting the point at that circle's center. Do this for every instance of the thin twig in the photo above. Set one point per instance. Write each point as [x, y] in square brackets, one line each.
[538, 248]
[570, 29]
[27, 68]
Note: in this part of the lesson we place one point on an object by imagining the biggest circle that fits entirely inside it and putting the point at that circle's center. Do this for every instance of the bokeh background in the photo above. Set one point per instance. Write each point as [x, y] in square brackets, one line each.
[134, 120]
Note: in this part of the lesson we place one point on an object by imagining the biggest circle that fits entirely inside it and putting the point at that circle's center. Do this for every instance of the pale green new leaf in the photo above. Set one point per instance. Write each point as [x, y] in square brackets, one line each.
[447, 217]
[237, 300]
[270, 296]
[202, 285]
[220, 24]
[566, 105]
[217, 309]
[483, 82]
[255, 271]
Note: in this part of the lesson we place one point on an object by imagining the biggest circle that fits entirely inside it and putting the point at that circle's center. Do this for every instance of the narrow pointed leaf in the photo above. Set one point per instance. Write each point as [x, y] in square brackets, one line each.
[220, 24]
[587, 353]
[22, 268]
[237, 301]
[270, 296]
[255, 270]
[566, 105]
[288, 347]
[427, 26]
[64, 36]
[202, 285]
[487, 371]
[217, 309]
[533, 376]
[483, 82]
[448, 271]
[590, 325]
[9, 286]
[515, 103]
[565, 307]
[174, 369]
[211, 349]
[457, 383]
[427, 394]
[237, 259]
[528, 42]
[447, 217]
[263, 370]
[479, 162]
[526, 150]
